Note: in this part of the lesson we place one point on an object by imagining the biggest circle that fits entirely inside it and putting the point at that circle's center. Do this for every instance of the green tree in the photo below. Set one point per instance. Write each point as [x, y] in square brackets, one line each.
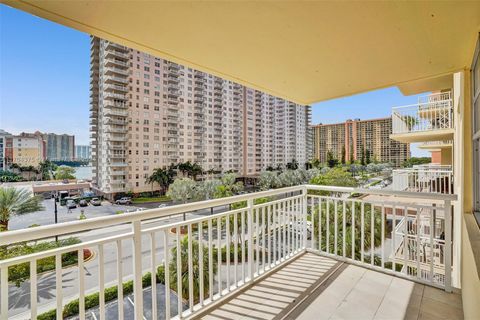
[161, 176]
[413, 161]
[182, 190]
[352, 157]
[46, 169]
[64, 172]
[362, 162]
[206, 190]
[331, 161]
[293, 165]
[16, 201]
[343, 155]
[229, 186]
[268, 180]
[195, 170]
[335, 177]
[367, 156]
[196, 269]
[316, 163]
[347, 232]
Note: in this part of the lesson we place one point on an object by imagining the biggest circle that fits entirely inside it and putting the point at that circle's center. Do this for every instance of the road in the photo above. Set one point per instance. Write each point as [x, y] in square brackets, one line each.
[47, 216]
[19, 306]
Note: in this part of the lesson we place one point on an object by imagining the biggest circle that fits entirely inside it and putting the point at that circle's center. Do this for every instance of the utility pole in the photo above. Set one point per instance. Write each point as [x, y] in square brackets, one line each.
[55, 197]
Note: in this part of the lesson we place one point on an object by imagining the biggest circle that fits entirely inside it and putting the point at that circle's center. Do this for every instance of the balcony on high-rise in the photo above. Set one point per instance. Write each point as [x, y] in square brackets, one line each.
[430, 119]
[430, 178]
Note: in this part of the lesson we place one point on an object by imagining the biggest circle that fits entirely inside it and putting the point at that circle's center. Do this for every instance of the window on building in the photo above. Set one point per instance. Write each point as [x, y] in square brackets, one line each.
[476, 129]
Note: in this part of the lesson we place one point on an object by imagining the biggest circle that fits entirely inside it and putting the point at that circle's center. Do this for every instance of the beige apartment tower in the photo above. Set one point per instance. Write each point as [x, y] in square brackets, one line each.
[147, 112]
[358, 137]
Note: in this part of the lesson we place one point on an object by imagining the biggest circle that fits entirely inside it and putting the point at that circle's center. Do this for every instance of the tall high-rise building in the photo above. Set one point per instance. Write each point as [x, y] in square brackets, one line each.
[82, 152]
[359, 138]
[60, 147]
[148, 112]
[5, 149]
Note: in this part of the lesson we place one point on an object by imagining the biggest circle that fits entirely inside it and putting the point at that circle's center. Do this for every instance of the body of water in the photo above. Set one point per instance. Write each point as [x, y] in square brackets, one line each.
[84, 173]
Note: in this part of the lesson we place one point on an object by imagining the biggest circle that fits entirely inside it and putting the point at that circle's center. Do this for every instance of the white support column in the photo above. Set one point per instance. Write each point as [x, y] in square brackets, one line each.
[458, 97]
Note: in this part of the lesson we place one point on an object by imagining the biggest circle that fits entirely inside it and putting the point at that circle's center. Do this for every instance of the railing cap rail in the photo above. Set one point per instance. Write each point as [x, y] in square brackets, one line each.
[22, 235]
[418, 104]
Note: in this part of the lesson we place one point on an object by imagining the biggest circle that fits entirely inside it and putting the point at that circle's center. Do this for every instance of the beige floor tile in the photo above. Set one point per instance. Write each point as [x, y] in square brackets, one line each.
[439, 309]
[453, 299]
[356, 293]
[396, 300]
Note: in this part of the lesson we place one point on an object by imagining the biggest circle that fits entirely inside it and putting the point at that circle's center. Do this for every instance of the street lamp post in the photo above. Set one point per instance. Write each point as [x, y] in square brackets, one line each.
[56, 213]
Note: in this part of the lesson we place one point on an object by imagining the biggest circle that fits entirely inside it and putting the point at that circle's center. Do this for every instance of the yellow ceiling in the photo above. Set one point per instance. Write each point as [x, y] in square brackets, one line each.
[303, 51]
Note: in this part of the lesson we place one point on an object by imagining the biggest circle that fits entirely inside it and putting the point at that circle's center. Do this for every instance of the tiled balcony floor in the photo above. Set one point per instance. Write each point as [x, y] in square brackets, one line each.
[315, 287]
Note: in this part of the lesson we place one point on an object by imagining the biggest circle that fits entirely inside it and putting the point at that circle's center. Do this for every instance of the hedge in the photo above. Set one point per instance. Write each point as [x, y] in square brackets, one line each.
[21, 272]
[93, 300]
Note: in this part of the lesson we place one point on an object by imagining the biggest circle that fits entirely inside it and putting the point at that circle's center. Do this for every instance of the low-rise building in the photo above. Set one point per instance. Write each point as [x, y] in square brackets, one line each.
[28, 149]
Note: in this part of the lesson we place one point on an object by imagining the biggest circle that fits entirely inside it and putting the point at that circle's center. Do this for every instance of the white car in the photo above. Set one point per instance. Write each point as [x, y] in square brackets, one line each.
[163, 205]
[124, 200]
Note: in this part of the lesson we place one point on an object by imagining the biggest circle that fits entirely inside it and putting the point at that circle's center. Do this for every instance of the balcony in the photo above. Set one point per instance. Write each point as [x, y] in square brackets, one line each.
[116, 63]
[112, 112]
[294, 254]
[114, 79]
[436, 145]
[116, 88]
[115, 54]
[115, 96]
[115, 70]
[117, 47]
[431, 119]
[424, 178]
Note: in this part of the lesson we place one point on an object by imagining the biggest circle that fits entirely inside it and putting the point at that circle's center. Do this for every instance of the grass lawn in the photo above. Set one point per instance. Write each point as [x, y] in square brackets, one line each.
[151, 199]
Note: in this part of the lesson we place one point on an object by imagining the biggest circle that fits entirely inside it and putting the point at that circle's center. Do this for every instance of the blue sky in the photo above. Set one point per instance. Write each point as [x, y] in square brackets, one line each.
[44, 82]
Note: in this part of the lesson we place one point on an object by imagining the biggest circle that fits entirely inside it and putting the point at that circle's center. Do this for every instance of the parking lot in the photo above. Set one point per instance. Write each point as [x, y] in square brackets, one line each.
[47, 216]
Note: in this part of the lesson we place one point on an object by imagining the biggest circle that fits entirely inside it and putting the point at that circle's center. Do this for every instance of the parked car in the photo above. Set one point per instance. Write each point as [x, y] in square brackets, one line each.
[163, 205]
[83, 203]
[96, 202]
[124, 200]
[71, 204]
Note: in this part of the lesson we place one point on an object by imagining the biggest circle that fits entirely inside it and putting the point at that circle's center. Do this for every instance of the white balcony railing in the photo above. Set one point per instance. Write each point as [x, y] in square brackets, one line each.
[432, 178]
[432, 112]
[219, 254]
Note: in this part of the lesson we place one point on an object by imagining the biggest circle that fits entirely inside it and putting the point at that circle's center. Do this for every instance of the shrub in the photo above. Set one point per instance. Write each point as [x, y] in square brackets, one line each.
[49, 315]
[20, 272]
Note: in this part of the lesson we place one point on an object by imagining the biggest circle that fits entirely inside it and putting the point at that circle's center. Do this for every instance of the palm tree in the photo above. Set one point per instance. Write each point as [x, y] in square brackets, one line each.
[356, 226]
[195, 170]
[46, 168]
[196, 268]
[185, 168]
[16, 201]
[162, 176]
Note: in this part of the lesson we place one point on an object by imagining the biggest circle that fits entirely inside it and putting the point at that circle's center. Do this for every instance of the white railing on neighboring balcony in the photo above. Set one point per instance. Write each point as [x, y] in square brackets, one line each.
[223, 252]
[433, 179]
[433, 112]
